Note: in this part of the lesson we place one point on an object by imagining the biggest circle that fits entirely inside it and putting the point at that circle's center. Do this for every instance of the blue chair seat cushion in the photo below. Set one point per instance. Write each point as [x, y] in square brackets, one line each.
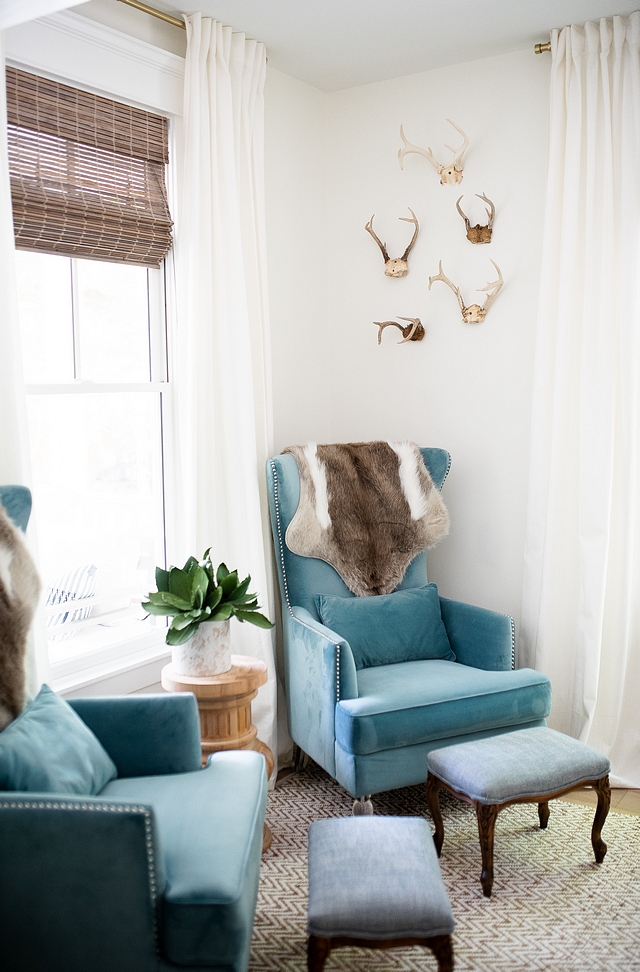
[388, 628]
[418, 701]
[49, 749]
[375, 878]
[522, 764]
[208, 823]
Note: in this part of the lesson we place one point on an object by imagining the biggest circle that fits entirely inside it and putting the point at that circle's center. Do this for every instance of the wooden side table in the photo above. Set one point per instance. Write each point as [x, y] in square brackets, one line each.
[224, 704]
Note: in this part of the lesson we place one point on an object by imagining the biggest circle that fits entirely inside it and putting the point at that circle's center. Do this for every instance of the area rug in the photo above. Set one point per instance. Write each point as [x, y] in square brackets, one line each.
[552, 907]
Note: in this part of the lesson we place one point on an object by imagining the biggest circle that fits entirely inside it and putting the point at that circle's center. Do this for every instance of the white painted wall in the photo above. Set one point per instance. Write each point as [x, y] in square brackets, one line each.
[296, 218]
[465, 388]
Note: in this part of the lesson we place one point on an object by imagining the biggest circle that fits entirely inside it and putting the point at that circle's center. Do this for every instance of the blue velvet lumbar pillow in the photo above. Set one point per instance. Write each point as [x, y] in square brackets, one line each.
[49, 749]
[389, 628]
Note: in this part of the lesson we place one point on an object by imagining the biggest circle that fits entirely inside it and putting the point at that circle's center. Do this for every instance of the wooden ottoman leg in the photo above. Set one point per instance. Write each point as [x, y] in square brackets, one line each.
[486, 814]
[317, 953]
[442, 948]
[433, 802]
[543, 814]
[604, 802]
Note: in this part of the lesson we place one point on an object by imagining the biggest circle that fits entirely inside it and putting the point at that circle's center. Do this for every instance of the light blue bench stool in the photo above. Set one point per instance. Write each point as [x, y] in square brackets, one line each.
[375, 882]
[526, 766]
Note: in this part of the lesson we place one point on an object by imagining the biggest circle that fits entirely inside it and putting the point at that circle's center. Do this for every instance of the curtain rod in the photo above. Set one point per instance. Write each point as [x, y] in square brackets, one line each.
[160, 14]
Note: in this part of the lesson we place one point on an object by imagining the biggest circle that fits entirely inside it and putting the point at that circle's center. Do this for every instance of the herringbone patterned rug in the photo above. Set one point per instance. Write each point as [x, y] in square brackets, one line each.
[552, 907]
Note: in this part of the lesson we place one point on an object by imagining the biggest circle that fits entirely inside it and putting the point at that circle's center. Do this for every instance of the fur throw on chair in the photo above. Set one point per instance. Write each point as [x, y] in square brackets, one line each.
[19, 592]
[366, 508]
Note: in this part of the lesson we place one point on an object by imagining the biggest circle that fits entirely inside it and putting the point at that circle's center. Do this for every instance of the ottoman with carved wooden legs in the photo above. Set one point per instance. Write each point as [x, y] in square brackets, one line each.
[375, 882]
[525, 766]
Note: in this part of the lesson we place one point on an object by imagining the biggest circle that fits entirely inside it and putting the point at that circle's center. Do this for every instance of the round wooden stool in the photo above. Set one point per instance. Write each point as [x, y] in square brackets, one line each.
[224, 704]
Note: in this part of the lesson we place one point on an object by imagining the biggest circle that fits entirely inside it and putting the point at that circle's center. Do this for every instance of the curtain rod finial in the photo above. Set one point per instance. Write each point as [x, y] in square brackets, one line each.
[542, 48]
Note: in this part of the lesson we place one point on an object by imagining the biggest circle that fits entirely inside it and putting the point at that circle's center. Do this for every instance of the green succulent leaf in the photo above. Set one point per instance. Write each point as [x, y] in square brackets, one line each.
[159, 609]
[190, 565]
[167, 600]
[182, 621]
[241, 589]
[178, 637]
[180, 584]
[214, 598]
[222, 572]
[199, 585]
[162, 579]
[222, 613]
[255, 618]
[229, 584]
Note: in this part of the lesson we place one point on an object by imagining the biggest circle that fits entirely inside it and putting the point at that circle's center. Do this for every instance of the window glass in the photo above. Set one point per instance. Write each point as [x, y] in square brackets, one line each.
[97, 466]
[113, 319]
[44, 295]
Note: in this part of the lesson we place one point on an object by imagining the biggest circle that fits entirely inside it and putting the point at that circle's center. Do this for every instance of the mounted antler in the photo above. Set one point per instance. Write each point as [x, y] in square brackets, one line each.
[414, 331]
[478, 233]
[399, 266]
[474, 313]
[451, 174]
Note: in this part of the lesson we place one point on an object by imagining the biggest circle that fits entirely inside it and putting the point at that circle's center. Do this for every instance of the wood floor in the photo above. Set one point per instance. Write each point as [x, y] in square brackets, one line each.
[622, 801]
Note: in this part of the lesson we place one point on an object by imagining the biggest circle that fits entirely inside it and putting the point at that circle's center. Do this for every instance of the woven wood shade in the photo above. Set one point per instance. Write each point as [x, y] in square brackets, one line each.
[87, 173]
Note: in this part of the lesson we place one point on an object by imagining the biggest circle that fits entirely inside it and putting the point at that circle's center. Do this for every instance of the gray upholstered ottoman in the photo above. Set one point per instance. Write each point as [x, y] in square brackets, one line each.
[375, 882]
[526, 766]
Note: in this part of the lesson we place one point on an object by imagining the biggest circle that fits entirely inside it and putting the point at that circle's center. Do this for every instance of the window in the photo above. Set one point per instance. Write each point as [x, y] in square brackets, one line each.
[94, 352]
[92, 229]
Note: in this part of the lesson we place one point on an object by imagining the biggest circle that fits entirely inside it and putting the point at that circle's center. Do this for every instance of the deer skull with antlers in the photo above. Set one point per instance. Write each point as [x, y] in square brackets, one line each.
[397, 267]
[478, 233]
[414, 331]
[451, 174]
[474, 313]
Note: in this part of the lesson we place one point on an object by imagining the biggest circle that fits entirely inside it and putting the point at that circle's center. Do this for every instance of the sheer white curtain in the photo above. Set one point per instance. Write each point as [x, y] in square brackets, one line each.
[221, 344]
[14, 443]
[581, 597]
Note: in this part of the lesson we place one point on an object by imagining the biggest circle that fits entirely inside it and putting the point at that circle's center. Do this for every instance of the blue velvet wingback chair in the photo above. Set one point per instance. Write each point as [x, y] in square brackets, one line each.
[158, 870]
[372, 728]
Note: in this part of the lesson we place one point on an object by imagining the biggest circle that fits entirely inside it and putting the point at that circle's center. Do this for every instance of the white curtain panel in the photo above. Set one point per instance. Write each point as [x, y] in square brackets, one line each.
[14, 443]
[581, 597]
[221, 351]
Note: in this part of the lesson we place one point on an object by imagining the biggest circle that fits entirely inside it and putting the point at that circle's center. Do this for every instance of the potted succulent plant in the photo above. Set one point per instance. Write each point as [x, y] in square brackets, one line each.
[201, 600]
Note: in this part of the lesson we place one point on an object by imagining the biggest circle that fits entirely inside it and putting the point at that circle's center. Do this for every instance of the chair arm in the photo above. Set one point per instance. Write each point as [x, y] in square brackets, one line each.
[80, 877]
[479, 638]
[320, 671]
[146, 735]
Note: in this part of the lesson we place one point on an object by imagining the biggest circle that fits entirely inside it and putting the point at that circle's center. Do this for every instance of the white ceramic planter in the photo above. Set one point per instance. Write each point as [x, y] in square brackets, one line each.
[206, 653]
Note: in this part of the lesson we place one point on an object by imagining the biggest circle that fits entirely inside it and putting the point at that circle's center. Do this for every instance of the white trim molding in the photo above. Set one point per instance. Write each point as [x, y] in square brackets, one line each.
[68, 47]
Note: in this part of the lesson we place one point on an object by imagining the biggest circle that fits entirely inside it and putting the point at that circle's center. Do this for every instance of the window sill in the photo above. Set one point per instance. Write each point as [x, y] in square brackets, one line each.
[114, 673]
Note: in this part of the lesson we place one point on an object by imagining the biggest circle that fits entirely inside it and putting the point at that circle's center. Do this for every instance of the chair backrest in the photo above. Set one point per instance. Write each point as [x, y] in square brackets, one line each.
[17, 502]
[302, 577]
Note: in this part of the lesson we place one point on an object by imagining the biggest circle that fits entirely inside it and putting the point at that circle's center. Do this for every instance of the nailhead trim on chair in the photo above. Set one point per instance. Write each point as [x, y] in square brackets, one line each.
[104, 808]
[513, 642]
[284, 578]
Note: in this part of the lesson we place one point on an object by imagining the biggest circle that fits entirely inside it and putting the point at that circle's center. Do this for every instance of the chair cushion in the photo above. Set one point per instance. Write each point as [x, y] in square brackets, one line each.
[376, 878]
[414, 702]
[48, 749]
[209, 826]
[528, 763]
[388, 628]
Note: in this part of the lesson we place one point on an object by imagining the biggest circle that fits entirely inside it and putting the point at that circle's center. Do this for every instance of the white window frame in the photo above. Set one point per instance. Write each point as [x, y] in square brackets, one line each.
[72, 49]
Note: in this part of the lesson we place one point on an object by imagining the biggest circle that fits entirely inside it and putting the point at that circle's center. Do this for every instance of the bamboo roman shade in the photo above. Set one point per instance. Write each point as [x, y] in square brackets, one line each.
[87, 173]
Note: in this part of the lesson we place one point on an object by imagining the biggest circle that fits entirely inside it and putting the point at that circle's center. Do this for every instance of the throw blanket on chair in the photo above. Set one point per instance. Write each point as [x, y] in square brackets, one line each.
[366, 508]
[19, 592]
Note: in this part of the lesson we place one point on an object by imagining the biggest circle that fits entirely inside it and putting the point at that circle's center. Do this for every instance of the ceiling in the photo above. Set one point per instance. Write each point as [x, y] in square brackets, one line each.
[335, 44]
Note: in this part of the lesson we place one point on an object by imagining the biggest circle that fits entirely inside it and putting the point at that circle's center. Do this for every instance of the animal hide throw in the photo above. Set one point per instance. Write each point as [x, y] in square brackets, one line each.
[366, 508]
[19, 592]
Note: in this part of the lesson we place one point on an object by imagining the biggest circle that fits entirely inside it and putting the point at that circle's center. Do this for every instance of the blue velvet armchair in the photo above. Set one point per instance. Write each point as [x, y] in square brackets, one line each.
[371, 728]
[158, 870]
